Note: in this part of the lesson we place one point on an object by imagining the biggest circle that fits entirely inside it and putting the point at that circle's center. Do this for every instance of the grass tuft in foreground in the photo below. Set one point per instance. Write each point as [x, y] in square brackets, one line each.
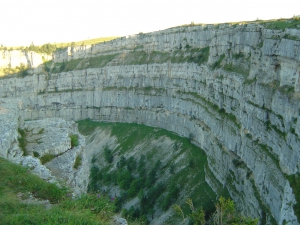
[15, 179]
[18, 181]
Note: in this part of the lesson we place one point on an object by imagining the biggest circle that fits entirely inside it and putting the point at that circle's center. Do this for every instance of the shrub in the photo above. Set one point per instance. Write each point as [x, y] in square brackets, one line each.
[108, 155]
[120, 201]
[62, 67]
[74, 140]
[22, 141]
[217, 64]
[192, 163]
[136, 186]
[294, 180]
[41, 131]
[225, 214]
[131, 164]
[36, 154]
[296, 17]
[78, 161]
[173, 192]
[122, 162]
[94, 159]
[124, 179]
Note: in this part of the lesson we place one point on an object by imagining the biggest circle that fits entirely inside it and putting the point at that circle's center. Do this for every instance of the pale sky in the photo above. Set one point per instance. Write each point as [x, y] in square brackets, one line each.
[40, 22]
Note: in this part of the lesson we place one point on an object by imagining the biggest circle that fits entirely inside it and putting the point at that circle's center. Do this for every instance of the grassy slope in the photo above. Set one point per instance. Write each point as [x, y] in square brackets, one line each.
[277, 24]
[189, 175]
[191, 55]
[18, 181]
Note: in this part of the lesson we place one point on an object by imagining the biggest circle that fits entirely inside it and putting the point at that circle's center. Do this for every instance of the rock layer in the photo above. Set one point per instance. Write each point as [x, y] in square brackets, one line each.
[48, 136]
[241, 106]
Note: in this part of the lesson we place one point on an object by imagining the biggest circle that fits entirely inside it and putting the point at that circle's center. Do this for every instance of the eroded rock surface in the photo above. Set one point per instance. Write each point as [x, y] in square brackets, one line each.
[48, 136]
[241, 105]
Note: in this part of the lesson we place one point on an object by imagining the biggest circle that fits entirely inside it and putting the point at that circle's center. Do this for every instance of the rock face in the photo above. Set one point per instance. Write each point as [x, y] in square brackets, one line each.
[48, 136]
[241, 105]
[16, 58]
[51, 136]
[9, 124]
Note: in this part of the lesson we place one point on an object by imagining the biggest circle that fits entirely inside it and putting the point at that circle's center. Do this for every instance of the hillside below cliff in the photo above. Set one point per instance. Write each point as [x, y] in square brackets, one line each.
[232, 89]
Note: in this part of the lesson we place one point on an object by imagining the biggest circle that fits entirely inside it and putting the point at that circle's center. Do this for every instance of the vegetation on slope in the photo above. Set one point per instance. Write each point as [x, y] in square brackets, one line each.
[23, 141]
[277, 24]
[185, 54]
[19, 71]
[139, 56]
[18, 185]
[225, 214]
[50, 48]
[295, 184]
[155, 183]
[74, 140]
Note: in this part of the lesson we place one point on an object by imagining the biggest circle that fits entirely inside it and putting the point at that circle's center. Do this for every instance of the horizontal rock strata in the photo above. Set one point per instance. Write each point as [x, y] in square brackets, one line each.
[241, 104]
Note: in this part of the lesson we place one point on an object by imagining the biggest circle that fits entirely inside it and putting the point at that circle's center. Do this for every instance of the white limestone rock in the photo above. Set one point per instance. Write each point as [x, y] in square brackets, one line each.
[229, 114]
[52, 136]
[9, 123]
[16, 58]
[49, 136]
[34, 165]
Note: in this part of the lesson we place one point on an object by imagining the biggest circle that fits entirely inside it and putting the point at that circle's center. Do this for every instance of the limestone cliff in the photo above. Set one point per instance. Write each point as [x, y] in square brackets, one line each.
[45, 137]
[233, 89]
[17, 60]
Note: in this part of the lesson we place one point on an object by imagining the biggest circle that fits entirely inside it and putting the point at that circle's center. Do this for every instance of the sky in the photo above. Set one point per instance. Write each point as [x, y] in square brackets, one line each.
[23, 22]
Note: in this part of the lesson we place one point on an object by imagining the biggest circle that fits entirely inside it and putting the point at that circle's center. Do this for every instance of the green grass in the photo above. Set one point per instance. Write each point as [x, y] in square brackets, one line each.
[250, 81]
[271, 24]
[47, 158]
[19, 71]
[74, 140]
[88, 42]
[207, 105]
[36, 154]
[295, 184]
[78, 162]
[287, 90]
[291, 37]
[270, 126]
[192, 55]
[23, 141]
[281, 24]
[145, 90]
[130, 135]
[83, 63]
[217, 64]
[87, 127]
[16, 181]
[41, 131]
[198, 55]
[265, 209]
[236, 69]
[100, 61]
[15, 178]
[71, 65]
[238, 55]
